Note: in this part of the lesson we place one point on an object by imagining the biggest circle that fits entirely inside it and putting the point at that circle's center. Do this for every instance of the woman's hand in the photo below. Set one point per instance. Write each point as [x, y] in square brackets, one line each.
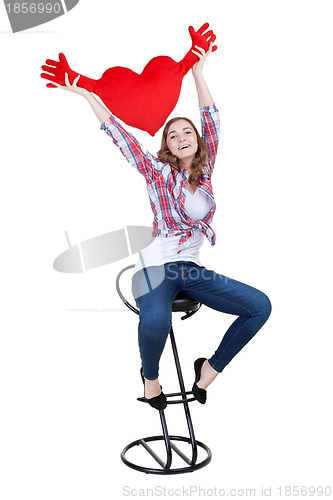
[100, 111]
[72, 87]
[202, 55]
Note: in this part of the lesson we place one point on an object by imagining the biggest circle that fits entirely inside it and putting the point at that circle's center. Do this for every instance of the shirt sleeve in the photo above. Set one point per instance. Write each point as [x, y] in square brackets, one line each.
[142, 160]
[210, 126]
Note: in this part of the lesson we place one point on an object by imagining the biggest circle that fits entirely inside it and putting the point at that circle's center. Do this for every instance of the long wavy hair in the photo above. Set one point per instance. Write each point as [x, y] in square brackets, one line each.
[201, 155]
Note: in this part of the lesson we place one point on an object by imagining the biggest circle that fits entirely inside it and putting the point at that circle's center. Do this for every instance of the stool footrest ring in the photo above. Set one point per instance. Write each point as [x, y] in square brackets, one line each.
[172, 395]
[179, 401]
[164, 468]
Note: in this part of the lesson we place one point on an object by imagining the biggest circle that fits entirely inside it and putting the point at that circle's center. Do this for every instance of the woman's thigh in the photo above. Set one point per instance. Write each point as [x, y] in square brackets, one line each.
[225, 294]
[154, 293]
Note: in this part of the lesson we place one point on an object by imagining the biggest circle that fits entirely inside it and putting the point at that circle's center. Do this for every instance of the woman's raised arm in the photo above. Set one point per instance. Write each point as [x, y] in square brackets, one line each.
[204, 96]
[100, 111]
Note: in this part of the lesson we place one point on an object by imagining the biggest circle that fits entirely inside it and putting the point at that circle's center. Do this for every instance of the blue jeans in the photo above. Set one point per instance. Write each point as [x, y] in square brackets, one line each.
[156, 287]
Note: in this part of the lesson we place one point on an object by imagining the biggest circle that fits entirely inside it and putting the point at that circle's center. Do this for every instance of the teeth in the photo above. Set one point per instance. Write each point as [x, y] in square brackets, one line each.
[183, 147]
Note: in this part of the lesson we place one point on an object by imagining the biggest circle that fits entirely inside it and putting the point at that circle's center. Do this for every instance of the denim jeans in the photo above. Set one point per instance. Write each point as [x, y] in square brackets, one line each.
[155, 288]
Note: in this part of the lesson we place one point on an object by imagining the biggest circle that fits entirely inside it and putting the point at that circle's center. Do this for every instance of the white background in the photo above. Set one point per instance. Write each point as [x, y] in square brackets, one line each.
[70, 376]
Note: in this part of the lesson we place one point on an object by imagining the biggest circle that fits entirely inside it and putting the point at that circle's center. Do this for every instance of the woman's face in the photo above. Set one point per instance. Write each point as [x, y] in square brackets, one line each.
[182, 139]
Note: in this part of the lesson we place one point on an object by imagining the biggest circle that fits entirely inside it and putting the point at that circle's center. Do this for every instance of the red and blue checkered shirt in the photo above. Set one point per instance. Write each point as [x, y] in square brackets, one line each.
[166, 185]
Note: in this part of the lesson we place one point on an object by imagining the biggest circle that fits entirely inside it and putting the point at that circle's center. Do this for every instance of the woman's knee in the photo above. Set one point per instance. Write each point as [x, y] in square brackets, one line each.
[154, 325]
[264, 308]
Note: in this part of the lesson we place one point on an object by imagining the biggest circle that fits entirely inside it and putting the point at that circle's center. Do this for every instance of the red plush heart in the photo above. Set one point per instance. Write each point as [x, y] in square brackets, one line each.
[143, 101]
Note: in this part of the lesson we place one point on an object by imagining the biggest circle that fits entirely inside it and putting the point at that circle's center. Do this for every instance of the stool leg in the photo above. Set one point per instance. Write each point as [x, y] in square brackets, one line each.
[186, 407]
[170, 440]
[166, 440]
[168, 445]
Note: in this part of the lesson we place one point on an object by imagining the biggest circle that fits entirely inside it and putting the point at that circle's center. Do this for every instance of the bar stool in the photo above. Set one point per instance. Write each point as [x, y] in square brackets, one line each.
[190, 307]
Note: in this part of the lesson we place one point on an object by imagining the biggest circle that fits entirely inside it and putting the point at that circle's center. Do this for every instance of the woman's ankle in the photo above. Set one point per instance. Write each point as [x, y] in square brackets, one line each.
[152, 388]
[208, 375]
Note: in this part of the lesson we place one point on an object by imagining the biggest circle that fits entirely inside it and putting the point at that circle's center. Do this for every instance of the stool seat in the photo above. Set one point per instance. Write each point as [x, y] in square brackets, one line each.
[182, 303]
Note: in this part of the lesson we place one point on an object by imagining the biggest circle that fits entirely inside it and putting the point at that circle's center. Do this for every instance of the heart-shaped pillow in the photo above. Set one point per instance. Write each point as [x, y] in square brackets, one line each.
[141, 100]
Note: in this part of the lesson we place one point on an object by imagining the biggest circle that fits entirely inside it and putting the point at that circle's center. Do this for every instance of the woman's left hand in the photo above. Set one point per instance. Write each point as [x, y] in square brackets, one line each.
[202, 55]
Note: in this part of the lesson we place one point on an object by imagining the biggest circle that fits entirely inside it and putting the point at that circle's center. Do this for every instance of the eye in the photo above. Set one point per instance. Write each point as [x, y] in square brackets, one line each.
[172, 137]
[188, 132]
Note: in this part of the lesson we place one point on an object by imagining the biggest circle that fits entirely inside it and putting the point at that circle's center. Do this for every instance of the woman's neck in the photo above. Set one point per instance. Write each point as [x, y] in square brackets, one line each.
[186, 163]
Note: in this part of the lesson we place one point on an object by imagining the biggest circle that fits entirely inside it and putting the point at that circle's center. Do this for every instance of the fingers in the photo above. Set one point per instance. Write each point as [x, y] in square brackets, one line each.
[55, 64]
[212, 38]
[62, 58]
[52, 69]
[208, 34]
[74, 84]
[76, 80]
[63, 87]
[201, 31]
[203, 36]
[201, 49]
[202, 55]
[200, 52]
[52, 78]
[56, 86]
[203, 28]
[67, 85]
[212, 48]
[51, 62]
[49, 69]
[191, 31]
[196, 53]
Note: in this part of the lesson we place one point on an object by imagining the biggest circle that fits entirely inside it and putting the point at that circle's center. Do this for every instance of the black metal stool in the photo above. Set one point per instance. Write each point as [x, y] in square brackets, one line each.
[189, 306]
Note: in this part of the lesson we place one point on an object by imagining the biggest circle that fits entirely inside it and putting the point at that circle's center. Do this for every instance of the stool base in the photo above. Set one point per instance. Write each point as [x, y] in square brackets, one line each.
[165, 469]
[170, 446]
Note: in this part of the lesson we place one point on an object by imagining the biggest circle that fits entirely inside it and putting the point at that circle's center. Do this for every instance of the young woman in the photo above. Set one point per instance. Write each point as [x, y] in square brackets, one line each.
[182, 200]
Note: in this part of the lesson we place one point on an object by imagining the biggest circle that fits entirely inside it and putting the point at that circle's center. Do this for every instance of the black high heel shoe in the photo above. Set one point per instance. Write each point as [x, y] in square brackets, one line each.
[199, 394]
[159, 402]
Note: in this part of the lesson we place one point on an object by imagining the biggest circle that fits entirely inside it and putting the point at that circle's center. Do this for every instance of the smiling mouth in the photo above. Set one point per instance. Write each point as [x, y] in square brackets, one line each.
[183, 147]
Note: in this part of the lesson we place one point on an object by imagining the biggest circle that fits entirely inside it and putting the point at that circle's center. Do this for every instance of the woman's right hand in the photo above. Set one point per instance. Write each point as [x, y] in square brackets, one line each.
[72, 87]
[100, 111]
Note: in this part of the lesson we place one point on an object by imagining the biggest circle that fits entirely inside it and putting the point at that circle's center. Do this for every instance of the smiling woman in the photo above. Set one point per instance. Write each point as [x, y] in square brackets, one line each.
[183, 147]
[185, 163]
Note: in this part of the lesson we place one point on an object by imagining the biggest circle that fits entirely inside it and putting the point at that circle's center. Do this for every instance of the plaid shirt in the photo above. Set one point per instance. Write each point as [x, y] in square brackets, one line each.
[166, 185]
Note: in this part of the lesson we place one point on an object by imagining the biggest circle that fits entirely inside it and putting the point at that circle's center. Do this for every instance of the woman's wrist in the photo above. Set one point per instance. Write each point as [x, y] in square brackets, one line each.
[86, 94]
[197, 74]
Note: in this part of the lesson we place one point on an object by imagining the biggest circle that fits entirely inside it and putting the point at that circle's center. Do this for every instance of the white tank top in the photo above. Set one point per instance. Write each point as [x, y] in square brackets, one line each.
[164, 249]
